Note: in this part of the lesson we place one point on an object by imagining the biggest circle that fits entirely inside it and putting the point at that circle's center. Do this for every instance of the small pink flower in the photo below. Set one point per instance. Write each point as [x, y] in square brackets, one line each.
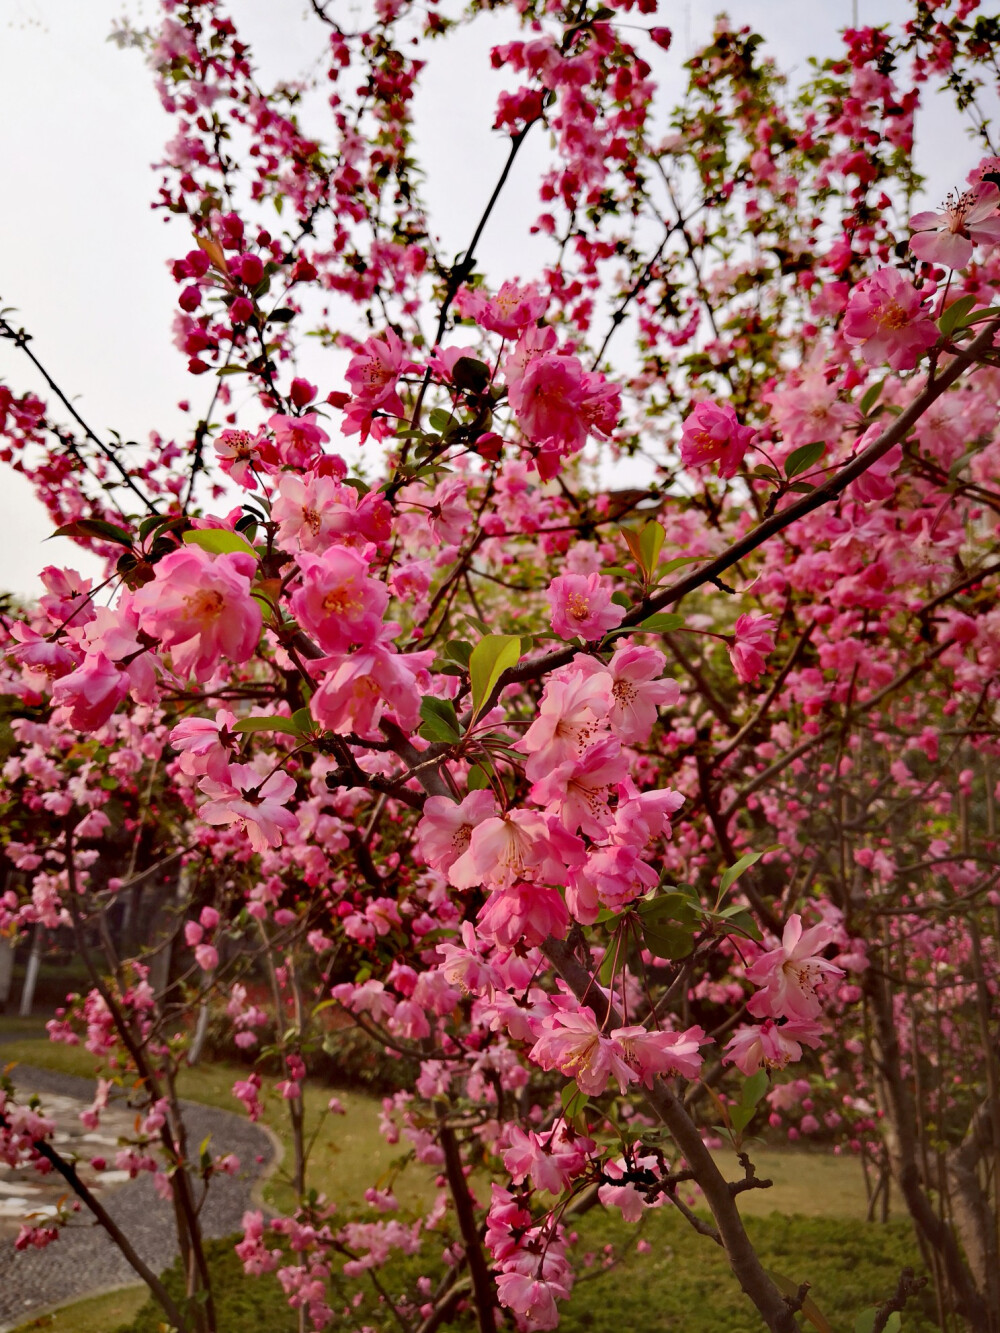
[298, 440]
[444, 832]
[337, 602]
[637, 690]
[581, 605]
[575, 1045]
[200, 607]
[523, 914]
[92, 692]
[256, 804]
[654, 1053]
[886, 318]
[240, 453]
[754, 639]
[770, 1045]
[791, 972]
[511, 310]
[374, 371]
[712, 434]
[966, 220]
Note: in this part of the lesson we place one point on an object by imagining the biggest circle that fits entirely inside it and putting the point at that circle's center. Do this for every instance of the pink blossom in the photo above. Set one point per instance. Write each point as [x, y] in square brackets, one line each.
[653, 1053]
[374, 371]
[519, 845]
[548, 401]
[570, 715]
[712, 434]
[312, 510]
[581, 605]
[577, 789]
[753, 640]
[91, 693]
[445, 830]
[199, 607]
[298, 440]
[886, 318]
[240, 453]
[637, 690]
[523, 914]
[508, 313]
[966, 220]
[791, 972]
[206, 746]
[257, 805]
[770, 1045]
[360, 688]
[575, 1045]
[532, 1298]
[337, 602]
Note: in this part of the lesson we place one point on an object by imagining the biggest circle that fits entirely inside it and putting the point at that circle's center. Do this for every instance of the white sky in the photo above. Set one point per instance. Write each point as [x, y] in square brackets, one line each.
[83, 257]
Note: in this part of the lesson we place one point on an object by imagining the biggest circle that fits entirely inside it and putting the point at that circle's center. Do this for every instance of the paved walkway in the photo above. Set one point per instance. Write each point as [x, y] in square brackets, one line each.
[84, 1259]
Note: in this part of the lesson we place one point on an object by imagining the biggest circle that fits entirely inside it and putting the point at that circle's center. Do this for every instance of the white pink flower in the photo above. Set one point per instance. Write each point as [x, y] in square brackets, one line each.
[200, 608]
[966, 220]
[887, 319]
[790, 973]
[581, 605]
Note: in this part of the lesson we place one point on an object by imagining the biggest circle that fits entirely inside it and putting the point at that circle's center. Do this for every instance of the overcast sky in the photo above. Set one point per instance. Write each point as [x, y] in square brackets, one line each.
[83, 257]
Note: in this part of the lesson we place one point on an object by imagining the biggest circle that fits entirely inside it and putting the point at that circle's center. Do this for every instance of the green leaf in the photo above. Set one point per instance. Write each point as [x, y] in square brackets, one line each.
[810, 1309]
[954, 316]
[440, 720]
[573, 1101]
[801, 460]
[490, 658]
[284, 724]
[302, 721]
[457, 650]
[871, 397]
[97, 528]
[441, 421]
[470, 374]
[282, 316]
[733, 873]
[478, 779]
[740, 922]
[670, 565]
[662, 622]
[622, 599]
[150, 524]
[980, 316]
[667, 940]
[219, 541]
[754, 1088]
[650, 545]
[669, 922]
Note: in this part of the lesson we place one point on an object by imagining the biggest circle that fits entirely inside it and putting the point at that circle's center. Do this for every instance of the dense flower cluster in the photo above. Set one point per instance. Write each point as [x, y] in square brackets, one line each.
[568, 795]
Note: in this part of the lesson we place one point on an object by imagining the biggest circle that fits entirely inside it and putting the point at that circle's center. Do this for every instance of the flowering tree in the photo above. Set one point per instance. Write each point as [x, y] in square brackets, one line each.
[621, 812]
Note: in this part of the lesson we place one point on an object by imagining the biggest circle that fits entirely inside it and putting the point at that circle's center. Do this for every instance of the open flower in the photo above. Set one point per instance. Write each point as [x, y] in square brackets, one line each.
[886, 318]
[966, 220]
[712, 434]
[791, 973]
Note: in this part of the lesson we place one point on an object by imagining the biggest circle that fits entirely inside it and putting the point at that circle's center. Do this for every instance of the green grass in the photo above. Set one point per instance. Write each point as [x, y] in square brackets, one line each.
[97, 1314]
[680, 1285]
[809, 1227]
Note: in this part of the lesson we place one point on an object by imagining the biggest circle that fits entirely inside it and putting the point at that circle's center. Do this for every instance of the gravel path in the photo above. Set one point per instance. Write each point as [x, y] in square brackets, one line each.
[85, 1260]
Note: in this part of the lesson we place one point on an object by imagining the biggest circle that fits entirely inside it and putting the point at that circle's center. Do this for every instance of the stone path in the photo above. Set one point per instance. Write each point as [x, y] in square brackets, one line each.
[84, 1259]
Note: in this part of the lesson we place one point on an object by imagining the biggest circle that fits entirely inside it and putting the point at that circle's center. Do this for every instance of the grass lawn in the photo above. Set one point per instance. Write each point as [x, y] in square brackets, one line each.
[808, 1227]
